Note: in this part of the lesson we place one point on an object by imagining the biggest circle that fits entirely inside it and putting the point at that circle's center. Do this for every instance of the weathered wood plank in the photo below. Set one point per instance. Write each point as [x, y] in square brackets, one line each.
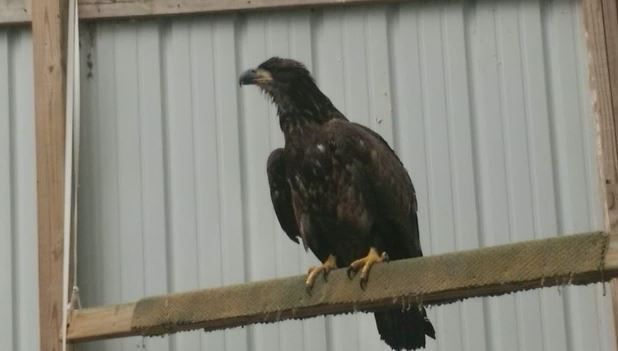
[430, 280]
[107, 9]
[601, 26]
[102, 10]
[13, 15]
[88, 322]
[602, 101]
[610, 21]
[49, 27]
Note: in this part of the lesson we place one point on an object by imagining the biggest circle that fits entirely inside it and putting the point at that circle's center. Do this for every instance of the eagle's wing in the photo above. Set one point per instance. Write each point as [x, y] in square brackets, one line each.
[280, 194]
[392, 189]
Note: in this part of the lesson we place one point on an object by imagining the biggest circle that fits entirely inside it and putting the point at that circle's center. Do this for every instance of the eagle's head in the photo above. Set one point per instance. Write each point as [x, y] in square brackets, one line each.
[277, 74]
[291, 87]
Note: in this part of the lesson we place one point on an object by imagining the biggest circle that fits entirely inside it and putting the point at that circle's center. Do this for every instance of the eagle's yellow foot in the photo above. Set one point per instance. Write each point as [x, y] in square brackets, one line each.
[364, 265]
[324, 268]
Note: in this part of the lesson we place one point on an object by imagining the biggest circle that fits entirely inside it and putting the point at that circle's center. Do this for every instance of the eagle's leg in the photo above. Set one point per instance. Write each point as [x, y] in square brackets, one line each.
[364, 265]
[324, 268]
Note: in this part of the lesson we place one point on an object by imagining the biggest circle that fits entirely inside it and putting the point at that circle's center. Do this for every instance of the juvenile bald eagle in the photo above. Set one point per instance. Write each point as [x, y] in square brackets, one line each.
[339, 188]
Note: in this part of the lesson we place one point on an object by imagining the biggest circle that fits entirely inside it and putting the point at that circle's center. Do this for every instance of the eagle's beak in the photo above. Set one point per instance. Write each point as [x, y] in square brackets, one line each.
[254, 76]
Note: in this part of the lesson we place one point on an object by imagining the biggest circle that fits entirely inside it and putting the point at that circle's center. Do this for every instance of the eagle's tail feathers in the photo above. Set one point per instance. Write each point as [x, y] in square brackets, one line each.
[404, 330]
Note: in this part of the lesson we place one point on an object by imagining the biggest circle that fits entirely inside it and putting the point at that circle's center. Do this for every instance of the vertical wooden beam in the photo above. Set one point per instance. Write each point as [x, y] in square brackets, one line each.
[610, 21]
[601, 23]
[49, 26]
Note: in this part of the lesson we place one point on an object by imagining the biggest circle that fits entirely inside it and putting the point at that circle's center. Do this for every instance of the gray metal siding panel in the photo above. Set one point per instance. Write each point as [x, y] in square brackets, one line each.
[490, 64]
[18, 223]
[330, 43]
[6, 266]
[486, 102]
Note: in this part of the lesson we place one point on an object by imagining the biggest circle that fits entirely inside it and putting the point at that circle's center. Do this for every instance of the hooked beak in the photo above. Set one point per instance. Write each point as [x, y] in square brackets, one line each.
[255, 76]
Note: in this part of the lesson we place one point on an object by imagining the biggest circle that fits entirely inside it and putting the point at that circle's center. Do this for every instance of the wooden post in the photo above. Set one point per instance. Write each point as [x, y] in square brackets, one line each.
[49, 26]
[601, 24]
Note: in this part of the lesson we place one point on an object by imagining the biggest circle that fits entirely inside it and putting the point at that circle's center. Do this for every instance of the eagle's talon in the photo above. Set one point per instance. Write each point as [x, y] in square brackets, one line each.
[351, 272]
[363, 283]
[313, 272]
[325, 275]
[364, 265]
[385, 257]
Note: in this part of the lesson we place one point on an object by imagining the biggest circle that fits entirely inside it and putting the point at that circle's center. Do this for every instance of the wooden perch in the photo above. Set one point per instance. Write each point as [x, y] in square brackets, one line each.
[574, 259]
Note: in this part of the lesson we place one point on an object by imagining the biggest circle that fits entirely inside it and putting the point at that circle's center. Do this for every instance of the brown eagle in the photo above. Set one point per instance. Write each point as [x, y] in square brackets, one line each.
[341, 189]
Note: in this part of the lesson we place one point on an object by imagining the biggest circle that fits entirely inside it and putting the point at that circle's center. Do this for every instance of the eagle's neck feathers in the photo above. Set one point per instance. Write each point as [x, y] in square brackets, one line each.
[302, 108]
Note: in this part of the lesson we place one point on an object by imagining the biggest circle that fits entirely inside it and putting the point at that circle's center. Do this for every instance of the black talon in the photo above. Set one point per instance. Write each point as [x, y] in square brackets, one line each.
[363, 283]
[351, 272]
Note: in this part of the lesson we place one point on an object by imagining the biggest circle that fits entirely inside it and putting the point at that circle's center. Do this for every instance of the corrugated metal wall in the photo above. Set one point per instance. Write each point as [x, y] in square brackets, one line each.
[486, 102]
[19, 326]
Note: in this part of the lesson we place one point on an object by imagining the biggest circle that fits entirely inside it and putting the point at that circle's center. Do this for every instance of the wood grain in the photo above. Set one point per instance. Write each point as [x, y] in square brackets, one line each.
[610, 22]
[602, 98]
[49, 53]
[272, 301]
[14, 15]
[101, 10]
[101, 322]
[601, 26]
[611, 257]
[107, 9]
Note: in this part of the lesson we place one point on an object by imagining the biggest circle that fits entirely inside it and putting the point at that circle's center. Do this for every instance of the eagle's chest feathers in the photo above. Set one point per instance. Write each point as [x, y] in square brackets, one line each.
[327, 188]
[311, 175]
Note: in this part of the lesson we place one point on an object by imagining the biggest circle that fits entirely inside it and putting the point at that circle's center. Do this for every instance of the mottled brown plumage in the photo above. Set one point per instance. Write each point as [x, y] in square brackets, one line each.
[339, 188]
